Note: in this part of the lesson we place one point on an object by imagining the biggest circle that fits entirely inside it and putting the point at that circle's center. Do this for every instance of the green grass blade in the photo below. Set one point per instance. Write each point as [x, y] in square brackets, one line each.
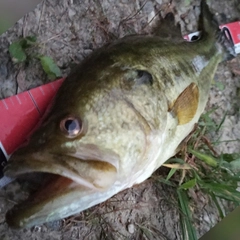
[170, 174]
[219, 208]
[188, 230]
[222, 190]
[145, 231]
[221, 123]
[189, 184]
[208, 159]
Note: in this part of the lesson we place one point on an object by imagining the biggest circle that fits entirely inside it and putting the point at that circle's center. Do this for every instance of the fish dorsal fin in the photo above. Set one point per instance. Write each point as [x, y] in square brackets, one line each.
[185, 106]
[167, 29]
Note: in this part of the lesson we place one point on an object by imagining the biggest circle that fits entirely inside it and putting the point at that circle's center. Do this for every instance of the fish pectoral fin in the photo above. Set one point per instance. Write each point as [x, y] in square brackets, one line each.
[185, 106]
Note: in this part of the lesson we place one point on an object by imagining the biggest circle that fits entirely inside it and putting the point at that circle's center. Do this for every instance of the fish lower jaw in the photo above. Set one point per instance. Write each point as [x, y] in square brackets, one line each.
[52, 204]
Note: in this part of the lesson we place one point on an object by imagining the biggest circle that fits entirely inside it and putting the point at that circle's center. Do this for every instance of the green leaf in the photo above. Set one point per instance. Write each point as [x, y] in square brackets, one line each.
[190, 184]
[17, 49]
[50, 67]
[208, 159]
[17, 53]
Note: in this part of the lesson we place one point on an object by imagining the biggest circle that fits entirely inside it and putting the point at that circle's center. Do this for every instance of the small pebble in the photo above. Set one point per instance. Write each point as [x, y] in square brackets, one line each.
[71, 13]
[227, 74]
[131, 228]
[37, 229]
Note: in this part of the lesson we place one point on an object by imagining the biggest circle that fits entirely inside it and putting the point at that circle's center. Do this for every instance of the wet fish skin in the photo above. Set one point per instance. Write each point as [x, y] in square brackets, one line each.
[118, 118]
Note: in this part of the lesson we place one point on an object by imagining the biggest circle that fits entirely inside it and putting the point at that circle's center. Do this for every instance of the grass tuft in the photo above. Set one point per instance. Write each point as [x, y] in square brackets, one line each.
[216, 175]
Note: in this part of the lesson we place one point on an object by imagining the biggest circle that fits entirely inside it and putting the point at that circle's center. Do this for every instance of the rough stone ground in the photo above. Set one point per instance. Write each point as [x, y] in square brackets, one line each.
[68, 31]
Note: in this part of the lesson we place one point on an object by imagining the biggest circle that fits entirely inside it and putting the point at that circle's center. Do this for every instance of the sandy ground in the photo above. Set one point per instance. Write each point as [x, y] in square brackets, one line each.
[68, 31]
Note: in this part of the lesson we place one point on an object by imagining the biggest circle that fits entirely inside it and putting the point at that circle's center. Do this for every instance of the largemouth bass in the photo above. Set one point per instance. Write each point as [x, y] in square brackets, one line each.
[117, 118]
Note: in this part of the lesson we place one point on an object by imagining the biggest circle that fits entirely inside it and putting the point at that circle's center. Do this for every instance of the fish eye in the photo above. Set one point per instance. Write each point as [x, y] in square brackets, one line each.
[71, 127]
[194, 38]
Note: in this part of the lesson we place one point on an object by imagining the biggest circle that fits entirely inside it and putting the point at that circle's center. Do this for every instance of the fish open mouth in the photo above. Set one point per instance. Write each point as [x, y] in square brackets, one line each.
[71, 187]
[44, 203]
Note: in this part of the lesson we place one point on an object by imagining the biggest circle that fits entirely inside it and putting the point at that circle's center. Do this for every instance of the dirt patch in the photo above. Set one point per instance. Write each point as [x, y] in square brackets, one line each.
[68, 31]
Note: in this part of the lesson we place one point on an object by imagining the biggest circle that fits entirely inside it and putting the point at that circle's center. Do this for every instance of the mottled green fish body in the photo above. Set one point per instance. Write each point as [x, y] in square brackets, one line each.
[117, 118]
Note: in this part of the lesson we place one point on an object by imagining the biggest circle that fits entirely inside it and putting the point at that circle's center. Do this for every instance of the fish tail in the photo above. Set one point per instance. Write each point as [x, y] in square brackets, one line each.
[211, 31]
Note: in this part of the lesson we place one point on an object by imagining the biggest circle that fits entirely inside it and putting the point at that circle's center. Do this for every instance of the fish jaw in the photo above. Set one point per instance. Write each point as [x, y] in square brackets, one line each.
[74, 186]
[88, 173]
[61, 198]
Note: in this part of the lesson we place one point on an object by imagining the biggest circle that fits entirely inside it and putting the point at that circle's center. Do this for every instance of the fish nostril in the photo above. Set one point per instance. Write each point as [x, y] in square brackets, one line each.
[71, 126]
[144, 77]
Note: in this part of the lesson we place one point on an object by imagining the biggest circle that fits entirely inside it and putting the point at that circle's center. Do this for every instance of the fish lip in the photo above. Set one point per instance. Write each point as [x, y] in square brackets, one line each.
[19, 167]
[32, 210]
[67, 164]
[36, 163]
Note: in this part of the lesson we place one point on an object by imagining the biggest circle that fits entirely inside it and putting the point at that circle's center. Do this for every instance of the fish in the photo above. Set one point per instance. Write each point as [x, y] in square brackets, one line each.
[117, 118]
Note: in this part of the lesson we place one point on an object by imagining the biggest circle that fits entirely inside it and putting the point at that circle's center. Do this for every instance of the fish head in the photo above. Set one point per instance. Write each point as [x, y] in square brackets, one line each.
[94, 141]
